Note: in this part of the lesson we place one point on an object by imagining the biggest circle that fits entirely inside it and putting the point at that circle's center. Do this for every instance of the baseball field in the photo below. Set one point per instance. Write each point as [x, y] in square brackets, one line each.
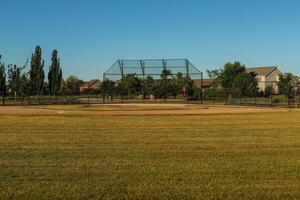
[146, 151]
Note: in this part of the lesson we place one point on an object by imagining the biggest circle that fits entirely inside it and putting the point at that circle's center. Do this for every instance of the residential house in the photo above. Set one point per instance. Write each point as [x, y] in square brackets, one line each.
[266, 76]
[207, 83]
[92, 86]
[295, 83]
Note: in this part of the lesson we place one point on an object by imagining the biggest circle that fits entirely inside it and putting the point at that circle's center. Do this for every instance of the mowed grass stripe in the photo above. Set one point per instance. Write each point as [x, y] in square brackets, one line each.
[235, 156]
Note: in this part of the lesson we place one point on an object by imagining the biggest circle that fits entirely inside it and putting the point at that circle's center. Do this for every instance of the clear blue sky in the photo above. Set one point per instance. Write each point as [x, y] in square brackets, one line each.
[90, 35]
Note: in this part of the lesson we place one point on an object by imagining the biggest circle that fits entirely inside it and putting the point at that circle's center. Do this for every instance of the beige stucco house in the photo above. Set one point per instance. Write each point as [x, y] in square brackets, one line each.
[266, 76]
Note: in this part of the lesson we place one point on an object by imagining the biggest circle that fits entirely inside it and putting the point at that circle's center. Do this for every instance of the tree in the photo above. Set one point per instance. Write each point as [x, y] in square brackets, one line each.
[244, 84]
[72, 85]
[36, 72]
[24, 85]
[149, 85]
[213, 73]
[132, 84]
[14, 80]
[195, 92]
[177, 84]
[229, 73]
[180, 84]
[235, 80]
[46, 88]
[108, 87]
[269, 91]
[285, 86]
[2, 81]
[165, 83]
[215, 90]
[190, 86]
[63, 87]
[54, 74]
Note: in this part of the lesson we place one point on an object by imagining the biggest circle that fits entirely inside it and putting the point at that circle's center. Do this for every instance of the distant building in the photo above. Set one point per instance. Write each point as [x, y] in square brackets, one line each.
[295, 83]
[207, 83]
[91, 86]
[266, 76]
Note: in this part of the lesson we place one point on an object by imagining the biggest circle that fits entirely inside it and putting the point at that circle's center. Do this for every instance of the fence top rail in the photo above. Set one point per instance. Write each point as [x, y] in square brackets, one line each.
[152, 74]
[182, 65]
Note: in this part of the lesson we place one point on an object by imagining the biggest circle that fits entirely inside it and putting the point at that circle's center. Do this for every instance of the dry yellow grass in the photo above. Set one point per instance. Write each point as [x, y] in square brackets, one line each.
[215, 156]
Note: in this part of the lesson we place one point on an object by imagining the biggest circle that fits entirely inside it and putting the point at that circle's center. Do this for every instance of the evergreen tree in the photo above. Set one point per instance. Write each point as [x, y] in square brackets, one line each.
[2, 81]
[55, 74]
[36, 72]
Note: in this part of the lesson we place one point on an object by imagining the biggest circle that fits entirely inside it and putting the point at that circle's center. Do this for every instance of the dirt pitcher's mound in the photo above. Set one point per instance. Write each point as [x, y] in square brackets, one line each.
[132, 109]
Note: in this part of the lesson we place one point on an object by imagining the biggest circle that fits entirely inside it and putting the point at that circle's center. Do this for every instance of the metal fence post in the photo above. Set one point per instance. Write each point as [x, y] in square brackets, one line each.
[187, 81]
[143, 72]
[165, 79]
[122, 84]
[104, 89]
[201, 88]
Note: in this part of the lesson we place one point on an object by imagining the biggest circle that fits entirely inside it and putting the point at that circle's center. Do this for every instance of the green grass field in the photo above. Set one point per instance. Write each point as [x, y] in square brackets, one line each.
[214, 156]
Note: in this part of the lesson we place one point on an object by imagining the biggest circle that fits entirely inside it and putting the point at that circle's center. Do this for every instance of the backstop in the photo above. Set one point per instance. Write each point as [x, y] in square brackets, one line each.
[152, 80]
